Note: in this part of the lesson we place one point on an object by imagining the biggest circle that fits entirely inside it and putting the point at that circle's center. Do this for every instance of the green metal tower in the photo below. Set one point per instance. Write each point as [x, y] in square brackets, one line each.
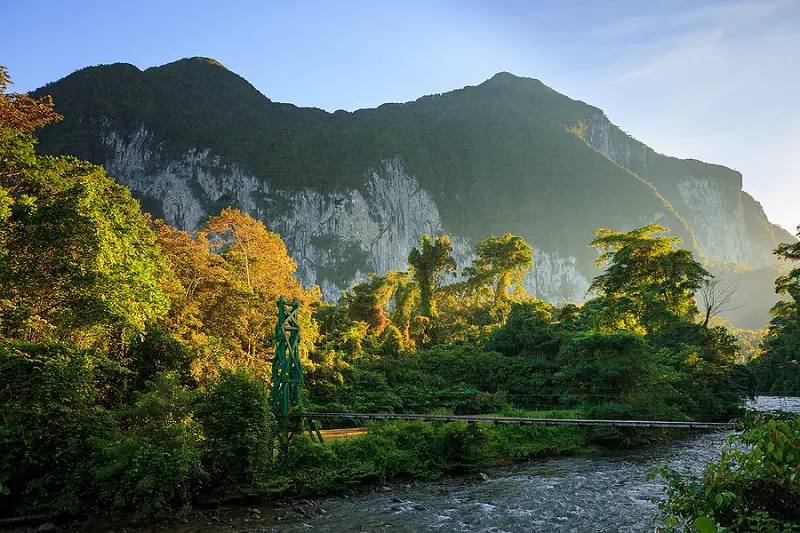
[287, 373]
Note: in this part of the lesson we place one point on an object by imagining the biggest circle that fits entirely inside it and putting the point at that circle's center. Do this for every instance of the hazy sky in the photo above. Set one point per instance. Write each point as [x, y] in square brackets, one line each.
[712, 80]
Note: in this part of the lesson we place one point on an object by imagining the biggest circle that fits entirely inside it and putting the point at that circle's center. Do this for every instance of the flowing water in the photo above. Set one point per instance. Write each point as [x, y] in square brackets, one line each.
[598, 494]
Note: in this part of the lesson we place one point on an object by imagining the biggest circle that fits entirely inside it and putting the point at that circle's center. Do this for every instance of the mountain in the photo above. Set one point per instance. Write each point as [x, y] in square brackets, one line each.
[351, 193]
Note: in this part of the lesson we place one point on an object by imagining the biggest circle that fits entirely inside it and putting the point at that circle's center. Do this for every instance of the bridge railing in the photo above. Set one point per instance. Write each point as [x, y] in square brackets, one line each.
[719, 426]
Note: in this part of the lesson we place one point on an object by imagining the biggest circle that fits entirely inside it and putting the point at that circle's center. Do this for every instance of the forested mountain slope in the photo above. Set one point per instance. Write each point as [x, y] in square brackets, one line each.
[351, 193]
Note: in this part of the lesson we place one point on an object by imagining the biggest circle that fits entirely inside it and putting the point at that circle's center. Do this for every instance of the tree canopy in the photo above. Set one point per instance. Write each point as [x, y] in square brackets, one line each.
[500, 263]
[430, 263]
[78, 259]
[647, 282]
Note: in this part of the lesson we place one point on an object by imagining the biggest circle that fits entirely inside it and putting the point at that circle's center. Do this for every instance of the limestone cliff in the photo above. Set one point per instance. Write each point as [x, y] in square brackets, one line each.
[728, 224]
[351, 193]
[337, 238]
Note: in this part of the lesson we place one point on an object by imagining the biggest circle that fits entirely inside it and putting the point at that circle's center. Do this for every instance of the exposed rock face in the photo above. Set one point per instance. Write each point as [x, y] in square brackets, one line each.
[718, 222]
[556, 279]
[726, 223]
[351, 193]
[335, 238]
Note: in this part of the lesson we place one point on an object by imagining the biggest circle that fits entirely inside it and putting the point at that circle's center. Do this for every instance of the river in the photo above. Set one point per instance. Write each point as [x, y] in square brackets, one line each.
[608, 493]
[602, 493]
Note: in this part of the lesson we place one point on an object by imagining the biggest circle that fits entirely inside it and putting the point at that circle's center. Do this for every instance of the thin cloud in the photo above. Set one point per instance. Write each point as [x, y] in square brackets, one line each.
[715, 83]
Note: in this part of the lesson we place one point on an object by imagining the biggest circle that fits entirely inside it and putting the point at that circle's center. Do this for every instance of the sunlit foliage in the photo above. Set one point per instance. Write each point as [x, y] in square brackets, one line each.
[753, 486]
[500, 263]
[78, 259]
[230, 274]
[777, 368]
[134, 357]
[430, 263]
[647, 282]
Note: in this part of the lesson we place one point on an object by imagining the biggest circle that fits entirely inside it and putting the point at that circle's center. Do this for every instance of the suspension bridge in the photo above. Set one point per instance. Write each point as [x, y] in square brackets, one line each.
[289, 403]
[721, 426]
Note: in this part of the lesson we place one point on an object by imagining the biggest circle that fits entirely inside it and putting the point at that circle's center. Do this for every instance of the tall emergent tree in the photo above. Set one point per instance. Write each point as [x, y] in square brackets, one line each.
[648, 282]
[430, 263]
[501, 262]
[258, 271]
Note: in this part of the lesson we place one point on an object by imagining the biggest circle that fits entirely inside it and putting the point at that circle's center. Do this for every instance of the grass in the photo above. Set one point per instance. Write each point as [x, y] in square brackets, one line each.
[344, 433]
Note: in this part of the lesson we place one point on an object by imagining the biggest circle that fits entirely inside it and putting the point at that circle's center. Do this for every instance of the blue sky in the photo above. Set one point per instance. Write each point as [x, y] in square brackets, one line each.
[713, 80]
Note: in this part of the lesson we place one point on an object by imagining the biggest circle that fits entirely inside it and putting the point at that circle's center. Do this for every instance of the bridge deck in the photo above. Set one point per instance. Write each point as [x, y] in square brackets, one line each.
[721, 426]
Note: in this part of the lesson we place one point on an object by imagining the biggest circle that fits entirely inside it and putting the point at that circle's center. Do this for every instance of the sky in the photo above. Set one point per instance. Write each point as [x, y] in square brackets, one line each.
[713, 80]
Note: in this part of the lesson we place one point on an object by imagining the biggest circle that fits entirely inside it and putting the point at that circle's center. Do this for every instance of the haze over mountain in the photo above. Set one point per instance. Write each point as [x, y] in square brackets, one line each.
[351, 193]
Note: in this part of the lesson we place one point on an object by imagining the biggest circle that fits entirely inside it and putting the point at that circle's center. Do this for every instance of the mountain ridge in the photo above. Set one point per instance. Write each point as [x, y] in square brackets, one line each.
[508, 155]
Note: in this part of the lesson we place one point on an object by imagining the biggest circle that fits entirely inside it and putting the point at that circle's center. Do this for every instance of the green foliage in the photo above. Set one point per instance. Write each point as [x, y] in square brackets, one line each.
[393, 342]
[707, 381]
[51, 424]
[614, 375]
[647, 282]
[155, 353]
[78, 259]
[400, 450]
[430, 263]
[154, 464]
[391, 450]
[501, 262]
[239, 429]
[753, 486]
[529, 330]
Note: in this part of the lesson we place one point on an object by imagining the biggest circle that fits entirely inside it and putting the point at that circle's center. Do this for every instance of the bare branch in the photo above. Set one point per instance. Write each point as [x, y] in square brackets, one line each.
[715, 296]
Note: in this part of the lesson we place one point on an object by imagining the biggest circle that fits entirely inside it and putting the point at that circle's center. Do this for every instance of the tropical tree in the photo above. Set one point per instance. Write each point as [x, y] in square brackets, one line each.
[751, 486]
[78, 259]
[258, 270]
[430, 263]
[500, 263]
[647, 282]
[613, 375]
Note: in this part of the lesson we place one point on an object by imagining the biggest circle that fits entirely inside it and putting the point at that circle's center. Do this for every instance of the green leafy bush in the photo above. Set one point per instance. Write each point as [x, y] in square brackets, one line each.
[158, 352]
[414, 450]
[154, 464]
[51, 425]
[239, 428]
[613, 375]
[753, 486]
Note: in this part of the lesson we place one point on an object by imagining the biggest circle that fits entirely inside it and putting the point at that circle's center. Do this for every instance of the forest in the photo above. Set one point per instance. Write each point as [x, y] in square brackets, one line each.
[135, 358]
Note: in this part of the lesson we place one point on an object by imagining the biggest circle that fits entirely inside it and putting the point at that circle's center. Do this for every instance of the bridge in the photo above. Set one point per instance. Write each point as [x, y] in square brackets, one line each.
[289, 404]
[674, 424]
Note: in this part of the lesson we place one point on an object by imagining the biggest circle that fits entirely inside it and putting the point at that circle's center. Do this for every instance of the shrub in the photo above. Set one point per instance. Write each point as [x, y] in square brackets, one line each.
[239, 428]
[754, 485]
[528, 330]
[155, 462]
[158, 352]
[613, 375]
[52, 424]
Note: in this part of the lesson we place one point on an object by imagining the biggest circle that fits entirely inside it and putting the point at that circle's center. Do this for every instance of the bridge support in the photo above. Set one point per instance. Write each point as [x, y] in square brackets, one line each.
[287, 374]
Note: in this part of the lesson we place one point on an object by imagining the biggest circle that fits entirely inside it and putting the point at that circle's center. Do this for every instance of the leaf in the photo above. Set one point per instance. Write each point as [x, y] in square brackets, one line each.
[705, 524]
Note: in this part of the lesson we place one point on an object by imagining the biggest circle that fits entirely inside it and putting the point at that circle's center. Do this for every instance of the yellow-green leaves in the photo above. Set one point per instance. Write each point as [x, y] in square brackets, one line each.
[648, 283]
